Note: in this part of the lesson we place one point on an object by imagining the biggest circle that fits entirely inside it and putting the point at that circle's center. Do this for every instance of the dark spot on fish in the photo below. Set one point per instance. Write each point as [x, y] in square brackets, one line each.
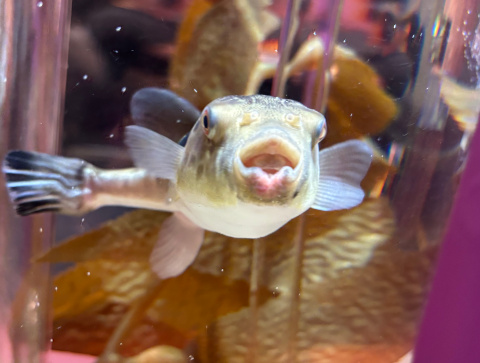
[231, 184]
[200, 170]
[295, 194]
[192, 159]
[212, 167]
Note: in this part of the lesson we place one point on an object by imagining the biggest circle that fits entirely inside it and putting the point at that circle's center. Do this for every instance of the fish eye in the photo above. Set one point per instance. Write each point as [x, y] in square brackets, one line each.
[207, 123]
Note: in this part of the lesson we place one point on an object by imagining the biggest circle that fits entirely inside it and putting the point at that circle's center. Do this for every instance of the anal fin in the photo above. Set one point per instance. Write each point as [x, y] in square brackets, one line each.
[177, 246]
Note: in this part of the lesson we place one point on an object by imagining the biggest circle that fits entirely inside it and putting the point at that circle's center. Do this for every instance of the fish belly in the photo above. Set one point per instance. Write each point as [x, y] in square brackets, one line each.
[242, 220]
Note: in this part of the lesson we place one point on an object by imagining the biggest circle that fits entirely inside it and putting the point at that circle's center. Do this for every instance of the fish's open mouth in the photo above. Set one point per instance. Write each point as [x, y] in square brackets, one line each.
[269, 167]
[270, 155]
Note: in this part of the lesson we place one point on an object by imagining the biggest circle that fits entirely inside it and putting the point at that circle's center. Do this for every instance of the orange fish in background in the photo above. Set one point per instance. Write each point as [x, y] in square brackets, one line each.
[216, 49]
[360, 295]
[357, 104]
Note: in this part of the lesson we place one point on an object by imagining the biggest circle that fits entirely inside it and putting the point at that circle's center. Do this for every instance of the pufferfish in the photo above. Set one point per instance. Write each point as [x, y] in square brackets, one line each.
[249, 165]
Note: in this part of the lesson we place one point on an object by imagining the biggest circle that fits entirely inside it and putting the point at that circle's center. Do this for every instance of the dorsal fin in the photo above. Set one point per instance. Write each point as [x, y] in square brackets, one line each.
[164, 112]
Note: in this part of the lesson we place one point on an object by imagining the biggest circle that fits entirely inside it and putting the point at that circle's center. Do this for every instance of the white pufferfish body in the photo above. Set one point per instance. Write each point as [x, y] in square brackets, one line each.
[250, 164]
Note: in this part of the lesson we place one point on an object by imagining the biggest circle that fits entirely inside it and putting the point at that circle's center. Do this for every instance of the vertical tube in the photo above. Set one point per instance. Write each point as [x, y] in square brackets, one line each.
[319, 88]
[256, 280]
[451, 326]
[287, 36]
[33, 62]
[427, 128]
[314, 96]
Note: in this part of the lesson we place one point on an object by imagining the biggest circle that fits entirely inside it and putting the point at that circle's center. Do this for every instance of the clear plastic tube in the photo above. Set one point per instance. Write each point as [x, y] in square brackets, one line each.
[33, 62]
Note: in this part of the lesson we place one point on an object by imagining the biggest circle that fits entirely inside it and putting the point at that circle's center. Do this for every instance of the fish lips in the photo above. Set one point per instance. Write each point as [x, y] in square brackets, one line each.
[270, 166]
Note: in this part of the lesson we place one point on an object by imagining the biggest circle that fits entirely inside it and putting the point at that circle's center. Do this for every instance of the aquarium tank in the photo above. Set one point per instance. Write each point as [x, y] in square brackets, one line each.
[350, 285]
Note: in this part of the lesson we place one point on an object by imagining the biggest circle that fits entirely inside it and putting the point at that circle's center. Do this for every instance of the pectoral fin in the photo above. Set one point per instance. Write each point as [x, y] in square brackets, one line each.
[342, 168]
[153, 152]
[178, 245]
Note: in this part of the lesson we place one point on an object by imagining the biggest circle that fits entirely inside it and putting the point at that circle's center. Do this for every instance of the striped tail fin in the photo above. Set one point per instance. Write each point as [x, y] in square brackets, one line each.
[39, 182]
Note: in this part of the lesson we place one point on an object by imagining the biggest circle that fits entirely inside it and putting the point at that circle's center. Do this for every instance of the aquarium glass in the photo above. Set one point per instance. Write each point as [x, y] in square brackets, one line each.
[340, 286]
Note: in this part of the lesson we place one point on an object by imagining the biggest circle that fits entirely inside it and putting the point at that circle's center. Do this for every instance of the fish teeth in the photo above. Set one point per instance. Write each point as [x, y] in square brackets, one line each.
[274, 150]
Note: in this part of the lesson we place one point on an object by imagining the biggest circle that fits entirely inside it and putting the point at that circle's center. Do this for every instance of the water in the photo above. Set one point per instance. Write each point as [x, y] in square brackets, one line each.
[346, 286]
